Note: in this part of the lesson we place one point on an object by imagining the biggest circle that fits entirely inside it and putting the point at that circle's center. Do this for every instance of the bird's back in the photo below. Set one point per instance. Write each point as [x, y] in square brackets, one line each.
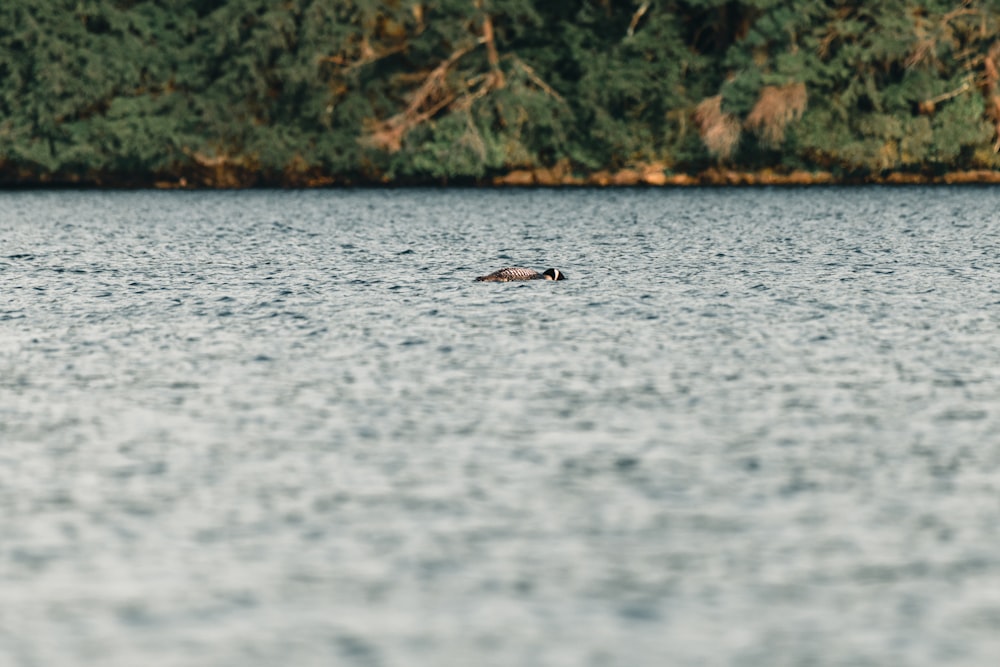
[509, 274]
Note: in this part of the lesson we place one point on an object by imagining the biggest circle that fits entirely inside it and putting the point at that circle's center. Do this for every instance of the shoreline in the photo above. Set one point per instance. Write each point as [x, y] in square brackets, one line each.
[732, 177]
[648, 177]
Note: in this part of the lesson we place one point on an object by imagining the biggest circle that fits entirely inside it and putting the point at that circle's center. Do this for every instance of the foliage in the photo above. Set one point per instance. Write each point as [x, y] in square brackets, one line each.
[237, 92]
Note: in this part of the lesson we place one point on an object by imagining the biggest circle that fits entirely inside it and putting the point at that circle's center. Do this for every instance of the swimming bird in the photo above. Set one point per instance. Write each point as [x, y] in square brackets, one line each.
[513, 273]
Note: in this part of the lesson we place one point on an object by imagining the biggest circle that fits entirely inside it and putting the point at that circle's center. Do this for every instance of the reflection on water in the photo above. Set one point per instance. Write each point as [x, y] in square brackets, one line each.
[755, 427]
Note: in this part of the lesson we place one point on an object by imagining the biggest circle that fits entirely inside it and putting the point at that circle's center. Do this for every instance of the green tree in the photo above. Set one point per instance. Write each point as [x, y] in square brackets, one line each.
[237, 92]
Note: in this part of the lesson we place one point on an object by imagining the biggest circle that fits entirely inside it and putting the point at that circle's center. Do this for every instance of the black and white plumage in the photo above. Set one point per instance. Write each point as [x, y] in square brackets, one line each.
[513, 273]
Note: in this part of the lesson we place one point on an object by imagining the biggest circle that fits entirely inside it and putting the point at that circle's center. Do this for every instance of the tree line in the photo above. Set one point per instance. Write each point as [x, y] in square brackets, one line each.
[304, 92]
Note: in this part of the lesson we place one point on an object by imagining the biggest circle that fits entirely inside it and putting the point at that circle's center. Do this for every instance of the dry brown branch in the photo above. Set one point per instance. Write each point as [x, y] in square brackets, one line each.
[993, 110]
[958, 11]
[924, 48]
[643, 8]
[486, 83]
[367, 57]
[775, 109]
[932, 102]
[432, 96]
[921, 52]
[831, 36]
[719, 131]
[491, 51]
[823, 47]
[473, 139]
[434, 93]
[212, 162]
[991, 66]
[221, 170]
[537, 80]
[435, 82]
[366, 54]
[206, 161]
[991, 80]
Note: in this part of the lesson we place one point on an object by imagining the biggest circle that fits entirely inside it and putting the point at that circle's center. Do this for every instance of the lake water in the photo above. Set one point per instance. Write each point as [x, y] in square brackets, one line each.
[754, 427]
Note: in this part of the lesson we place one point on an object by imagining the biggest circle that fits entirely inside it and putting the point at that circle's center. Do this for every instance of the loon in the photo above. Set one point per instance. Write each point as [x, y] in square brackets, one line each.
[514, 273]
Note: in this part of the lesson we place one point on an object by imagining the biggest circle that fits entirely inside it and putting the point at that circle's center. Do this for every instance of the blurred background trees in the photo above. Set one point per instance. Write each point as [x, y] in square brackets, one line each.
[243, 92]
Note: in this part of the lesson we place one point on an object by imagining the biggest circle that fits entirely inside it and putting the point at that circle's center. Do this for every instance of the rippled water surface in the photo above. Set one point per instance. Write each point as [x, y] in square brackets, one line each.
[754, 427]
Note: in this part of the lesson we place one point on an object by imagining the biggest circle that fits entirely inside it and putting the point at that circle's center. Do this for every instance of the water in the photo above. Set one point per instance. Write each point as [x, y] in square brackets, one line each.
[754, 427]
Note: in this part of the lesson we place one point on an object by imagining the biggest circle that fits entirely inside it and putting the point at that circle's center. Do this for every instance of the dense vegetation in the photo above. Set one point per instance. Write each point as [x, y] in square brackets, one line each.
[237, 92]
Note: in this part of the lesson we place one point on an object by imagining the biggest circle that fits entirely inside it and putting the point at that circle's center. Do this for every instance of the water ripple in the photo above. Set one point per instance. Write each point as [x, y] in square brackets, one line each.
[753, 427]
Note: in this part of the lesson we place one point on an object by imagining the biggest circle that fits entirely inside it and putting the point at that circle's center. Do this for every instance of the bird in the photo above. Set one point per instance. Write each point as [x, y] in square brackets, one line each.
[513, 273]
